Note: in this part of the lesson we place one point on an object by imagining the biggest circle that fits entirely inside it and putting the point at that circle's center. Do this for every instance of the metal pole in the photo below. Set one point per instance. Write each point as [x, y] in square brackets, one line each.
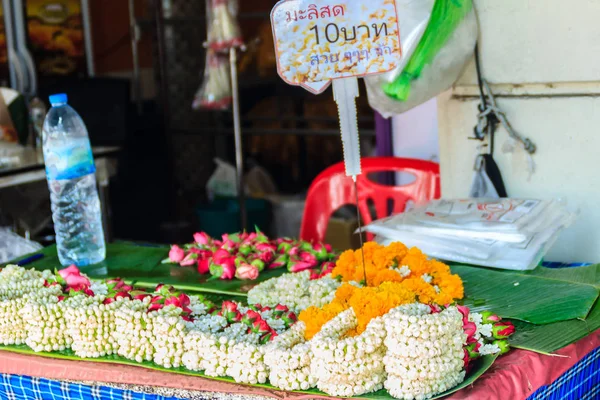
[135, 38]
[87, 36]
[237, 130]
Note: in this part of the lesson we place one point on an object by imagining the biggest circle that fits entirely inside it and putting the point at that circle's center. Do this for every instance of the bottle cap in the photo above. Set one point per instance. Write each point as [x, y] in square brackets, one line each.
[58, 99]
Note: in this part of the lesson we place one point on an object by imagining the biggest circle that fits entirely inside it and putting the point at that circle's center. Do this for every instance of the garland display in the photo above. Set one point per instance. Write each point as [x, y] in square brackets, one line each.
[353, 335]
[245, 255]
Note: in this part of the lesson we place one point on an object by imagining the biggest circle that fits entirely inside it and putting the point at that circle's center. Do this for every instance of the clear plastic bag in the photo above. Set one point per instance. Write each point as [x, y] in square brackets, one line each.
[433, 59]
[215, 92]
[13, 246]
[223, 28]
[466, 231]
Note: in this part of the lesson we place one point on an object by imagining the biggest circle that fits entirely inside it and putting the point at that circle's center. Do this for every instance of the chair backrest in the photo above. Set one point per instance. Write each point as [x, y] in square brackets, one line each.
[332, 189]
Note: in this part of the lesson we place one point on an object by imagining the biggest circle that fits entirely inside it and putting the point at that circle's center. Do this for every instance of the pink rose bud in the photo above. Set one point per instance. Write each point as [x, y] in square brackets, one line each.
[294, 251]
[309, 258]
[503, 345]
[327, 267]
[466, 358]
[230, 246]
[173, 300]
[122, 295]
[266, 257]
[284, 247]
[473, 350]
[189, 260]
[187, 318]
[306, 246]
[265, 309]
[262, 247]
[289, 318]
[489, 317]
[202, 238]
[328, 248]
[299, 266]
[435, 308]
[465, 313]
[184, 299]
[261, 237]
[260, 326]
[126, 288]
[71, 270]
[220, 255]
[229, 306]
[503, 329]
[176, 254]
[314, 276]
[258, 264]
[255, 307]
[471, 340]
[61, 298]
[155, 307]
[107, 300]
[250, 317]
[77, 280]
[159, 287]
[280, 309]
[247, 272]
[203, 266]
[157, 299]
[141, 296]
[319, 251]
[470, 328]
[280, 262]
[245, 249]
[267, 337]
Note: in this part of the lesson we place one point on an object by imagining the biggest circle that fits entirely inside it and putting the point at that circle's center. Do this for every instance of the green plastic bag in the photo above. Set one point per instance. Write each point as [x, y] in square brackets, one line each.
[446, 16]
[434, 64]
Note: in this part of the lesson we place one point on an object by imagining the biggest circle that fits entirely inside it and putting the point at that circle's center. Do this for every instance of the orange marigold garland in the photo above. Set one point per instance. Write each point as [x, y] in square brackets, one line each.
[396, 275]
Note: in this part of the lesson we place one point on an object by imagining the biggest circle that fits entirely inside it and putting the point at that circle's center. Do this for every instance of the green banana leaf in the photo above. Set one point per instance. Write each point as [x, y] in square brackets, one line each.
[479, 368]
[543, 296]
[549, 338]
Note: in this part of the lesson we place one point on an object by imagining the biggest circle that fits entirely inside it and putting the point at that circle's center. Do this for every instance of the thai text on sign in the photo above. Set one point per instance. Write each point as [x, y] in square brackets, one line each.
[334, 39]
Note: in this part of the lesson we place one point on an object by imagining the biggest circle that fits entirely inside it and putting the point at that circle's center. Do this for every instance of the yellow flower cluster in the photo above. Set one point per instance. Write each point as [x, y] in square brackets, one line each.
[395, 276]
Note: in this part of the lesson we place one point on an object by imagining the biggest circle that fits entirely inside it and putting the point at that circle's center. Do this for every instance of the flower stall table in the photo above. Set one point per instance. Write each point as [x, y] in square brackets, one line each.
[573, 373]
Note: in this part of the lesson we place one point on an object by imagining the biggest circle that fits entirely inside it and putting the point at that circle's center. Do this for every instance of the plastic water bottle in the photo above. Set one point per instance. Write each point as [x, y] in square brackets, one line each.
[70, 172]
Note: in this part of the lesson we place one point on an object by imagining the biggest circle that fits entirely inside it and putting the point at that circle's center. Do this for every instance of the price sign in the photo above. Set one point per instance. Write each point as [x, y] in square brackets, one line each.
[316, 43]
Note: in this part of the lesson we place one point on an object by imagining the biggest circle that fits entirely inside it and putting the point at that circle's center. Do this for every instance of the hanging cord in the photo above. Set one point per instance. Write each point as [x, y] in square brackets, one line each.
[490, 115]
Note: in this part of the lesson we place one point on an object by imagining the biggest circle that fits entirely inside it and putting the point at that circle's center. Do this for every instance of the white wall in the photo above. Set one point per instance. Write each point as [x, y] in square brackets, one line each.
[543, 59]
[415, 135]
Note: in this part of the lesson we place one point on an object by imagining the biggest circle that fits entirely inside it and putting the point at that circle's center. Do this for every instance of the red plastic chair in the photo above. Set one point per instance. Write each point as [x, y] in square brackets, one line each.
[332, 189]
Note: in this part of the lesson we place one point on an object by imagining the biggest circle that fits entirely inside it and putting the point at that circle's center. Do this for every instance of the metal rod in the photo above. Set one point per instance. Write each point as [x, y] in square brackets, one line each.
[87, 27]
[162, 61]
[237, 130]
[135, 38]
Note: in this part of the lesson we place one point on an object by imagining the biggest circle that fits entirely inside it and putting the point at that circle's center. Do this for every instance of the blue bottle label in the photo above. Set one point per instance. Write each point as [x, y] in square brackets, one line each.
[70, 162]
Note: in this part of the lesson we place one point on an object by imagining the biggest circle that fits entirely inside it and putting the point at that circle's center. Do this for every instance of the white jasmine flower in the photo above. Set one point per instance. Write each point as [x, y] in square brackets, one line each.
[99, 288]
[486, 349]
[403, 270]
[427, 278]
